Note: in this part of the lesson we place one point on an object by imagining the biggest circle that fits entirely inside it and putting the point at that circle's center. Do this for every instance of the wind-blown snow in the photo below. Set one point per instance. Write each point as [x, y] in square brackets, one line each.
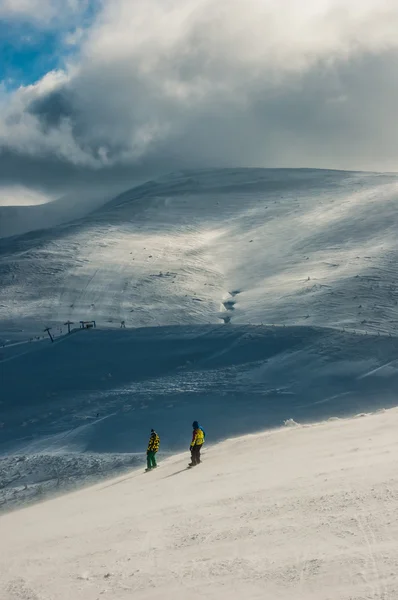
[304, 513]
[31, 477]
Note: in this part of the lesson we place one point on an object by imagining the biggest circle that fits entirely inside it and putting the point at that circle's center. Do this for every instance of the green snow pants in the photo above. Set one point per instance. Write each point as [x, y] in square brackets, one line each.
[151, 459]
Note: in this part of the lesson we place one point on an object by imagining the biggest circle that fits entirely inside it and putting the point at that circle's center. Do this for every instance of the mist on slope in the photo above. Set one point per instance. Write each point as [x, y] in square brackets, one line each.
[21, 212]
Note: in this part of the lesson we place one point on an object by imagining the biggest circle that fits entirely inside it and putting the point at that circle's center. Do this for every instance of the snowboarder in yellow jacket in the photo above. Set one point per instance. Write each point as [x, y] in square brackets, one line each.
[198, 439]
[153, 447]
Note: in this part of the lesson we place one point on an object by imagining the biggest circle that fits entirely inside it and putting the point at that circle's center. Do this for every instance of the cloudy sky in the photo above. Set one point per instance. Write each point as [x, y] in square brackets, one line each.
[102, 92]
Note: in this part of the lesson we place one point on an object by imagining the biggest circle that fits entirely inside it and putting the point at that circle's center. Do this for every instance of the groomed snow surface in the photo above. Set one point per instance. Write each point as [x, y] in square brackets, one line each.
[303, 513]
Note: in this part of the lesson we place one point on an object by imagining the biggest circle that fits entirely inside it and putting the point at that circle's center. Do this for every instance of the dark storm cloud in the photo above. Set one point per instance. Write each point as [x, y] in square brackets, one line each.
[51, 109]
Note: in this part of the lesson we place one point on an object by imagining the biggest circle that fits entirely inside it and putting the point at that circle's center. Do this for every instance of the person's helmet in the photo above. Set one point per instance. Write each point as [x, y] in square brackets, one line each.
[195, 424]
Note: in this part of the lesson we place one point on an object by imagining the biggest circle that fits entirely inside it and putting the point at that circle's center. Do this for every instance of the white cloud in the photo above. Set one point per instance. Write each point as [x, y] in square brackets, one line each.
[190, 82]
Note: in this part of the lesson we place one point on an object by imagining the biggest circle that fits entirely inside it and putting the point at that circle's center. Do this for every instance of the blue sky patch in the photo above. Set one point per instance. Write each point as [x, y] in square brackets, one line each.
[28, 52]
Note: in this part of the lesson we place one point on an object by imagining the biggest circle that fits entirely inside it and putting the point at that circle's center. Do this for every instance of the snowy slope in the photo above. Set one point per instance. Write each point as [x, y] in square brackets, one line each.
[251, 298]
[209, 256]
[252, 245]
[97, 393]
[304, 513]
[102, 391]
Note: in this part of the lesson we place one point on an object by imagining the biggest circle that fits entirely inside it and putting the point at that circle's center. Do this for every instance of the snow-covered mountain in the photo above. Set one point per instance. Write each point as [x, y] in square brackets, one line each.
[252, 300]
[289, 247]
[250, 297]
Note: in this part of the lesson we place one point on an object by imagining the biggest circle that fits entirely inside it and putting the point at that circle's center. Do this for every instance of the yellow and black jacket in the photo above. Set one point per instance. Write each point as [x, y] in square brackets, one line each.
[198, 437]
[154, 442]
